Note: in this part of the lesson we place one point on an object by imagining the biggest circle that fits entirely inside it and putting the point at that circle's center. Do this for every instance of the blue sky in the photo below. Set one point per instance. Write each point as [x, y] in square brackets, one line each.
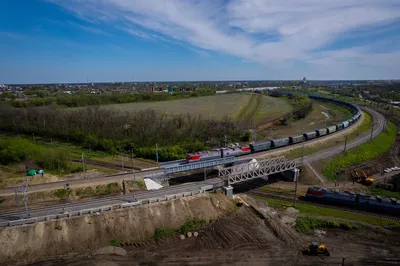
[46, 41]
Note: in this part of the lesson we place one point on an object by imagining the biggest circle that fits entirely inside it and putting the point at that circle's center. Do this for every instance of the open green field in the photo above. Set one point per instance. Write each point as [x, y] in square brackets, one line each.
[367, 151]
[240, 106]
[322, 115]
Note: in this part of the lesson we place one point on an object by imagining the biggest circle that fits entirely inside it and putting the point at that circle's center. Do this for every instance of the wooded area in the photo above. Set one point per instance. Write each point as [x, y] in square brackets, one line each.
[115, 131]
[83, 98]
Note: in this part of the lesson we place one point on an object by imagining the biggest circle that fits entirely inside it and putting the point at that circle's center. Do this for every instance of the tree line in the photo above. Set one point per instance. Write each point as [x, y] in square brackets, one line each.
[116, 131]
[44, 98]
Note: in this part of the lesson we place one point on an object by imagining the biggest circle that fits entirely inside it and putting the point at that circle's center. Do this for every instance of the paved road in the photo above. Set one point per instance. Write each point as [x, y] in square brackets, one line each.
[105, 201]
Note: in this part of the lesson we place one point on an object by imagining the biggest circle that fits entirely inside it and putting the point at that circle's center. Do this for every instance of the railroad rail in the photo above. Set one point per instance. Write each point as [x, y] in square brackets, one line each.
[98, 210]
[289, 197]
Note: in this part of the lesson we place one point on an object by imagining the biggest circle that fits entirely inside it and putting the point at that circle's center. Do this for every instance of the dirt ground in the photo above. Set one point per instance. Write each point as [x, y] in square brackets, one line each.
[48, 178]
[244, 238]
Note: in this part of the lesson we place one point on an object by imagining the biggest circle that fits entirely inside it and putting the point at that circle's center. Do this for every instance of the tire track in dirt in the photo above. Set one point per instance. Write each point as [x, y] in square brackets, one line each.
[245, 117]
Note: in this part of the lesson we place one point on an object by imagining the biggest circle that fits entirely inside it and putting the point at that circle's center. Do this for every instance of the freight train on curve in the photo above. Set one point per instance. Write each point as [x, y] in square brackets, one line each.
[350, 199]
[282, 142]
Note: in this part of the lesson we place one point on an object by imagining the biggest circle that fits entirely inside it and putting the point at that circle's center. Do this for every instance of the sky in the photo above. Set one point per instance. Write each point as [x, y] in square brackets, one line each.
[57, 41]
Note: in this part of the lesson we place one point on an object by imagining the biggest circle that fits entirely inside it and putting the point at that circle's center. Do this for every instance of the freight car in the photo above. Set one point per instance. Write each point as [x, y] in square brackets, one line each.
[278, 143]
[331, 129]
[321, 132]
[359, 201]
[310, 135]
[296, 139]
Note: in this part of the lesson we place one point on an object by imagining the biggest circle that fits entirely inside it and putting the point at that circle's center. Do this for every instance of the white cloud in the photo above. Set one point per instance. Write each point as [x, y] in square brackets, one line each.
[265, 31]
[137, 33]
[89, 29]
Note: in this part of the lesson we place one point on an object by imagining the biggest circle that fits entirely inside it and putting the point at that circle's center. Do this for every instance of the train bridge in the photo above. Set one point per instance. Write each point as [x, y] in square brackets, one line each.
[257, 169]
[239, 172]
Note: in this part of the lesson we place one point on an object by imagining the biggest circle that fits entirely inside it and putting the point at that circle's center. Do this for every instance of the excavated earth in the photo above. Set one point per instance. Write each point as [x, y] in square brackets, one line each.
[254, 236]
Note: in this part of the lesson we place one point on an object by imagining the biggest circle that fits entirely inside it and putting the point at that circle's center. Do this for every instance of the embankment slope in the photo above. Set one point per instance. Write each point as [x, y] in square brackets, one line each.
[44, 240]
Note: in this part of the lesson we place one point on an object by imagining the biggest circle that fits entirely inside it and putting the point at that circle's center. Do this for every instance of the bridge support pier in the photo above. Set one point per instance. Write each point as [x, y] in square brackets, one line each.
[291, 175]
[228, 191]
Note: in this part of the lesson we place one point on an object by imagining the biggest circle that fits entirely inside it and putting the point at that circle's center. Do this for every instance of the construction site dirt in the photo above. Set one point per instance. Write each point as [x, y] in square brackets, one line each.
[255, 236]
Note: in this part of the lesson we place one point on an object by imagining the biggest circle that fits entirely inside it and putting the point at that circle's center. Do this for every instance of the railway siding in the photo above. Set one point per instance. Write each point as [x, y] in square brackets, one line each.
[283, 200]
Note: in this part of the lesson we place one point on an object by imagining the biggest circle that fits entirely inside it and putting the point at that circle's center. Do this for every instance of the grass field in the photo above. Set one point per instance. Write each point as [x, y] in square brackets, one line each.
[323, 114]
[241, 106]
[367, 151]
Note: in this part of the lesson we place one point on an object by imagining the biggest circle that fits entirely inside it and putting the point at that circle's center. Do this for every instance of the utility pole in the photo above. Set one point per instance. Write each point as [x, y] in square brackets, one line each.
[297, 175]
[83, 165]
[26, 199]
[133, 170]
[66, 189]
[26, 204]
[17, 202]
[157, 152]
[345, 144]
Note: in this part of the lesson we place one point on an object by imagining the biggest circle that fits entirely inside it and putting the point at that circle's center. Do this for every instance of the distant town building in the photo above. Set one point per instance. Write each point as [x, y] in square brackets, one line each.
[304, 80]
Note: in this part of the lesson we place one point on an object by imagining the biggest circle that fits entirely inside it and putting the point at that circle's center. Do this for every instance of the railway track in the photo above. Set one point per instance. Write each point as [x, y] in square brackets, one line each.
[300, 199]
[61, 207]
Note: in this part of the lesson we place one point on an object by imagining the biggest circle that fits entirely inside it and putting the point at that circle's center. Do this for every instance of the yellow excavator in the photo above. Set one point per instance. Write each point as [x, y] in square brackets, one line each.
[316, 249]
[362, 178]
[239, 203]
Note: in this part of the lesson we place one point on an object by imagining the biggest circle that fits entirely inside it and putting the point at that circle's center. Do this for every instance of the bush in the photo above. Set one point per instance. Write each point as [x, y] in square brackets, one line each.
[112, 188]
[163, 233]
[115, 243]
[164, 153]
[62, 193]
[85, 192]
[191, 225]
[245, 137]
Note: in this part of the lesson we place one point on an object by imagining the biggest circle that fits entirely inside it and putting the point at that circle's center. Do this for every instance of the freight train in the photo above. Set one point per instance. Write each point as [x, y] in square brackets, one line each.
[282, 142]
[359, 201]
